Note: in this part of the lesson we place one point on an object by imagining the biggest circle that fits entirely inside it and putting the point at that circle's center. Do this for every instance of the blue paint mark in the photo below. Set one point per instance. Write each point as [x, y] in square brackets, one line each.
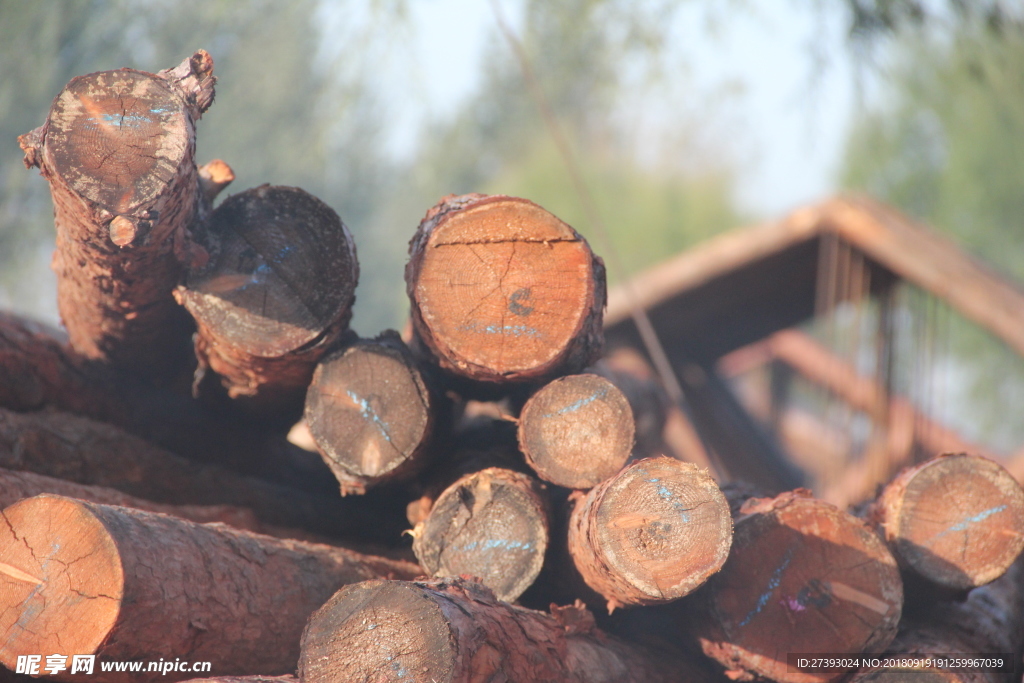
[368, 412]
[514, 330]
[665, 494]
[579, 404]
[773, 583]
[963, 524]
[159, 110]
[498, 543]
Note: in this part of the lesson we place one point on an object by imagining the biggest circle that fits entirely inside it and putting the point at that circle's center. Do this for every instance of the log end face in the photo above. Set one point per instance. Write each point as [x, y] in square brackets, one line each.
[960, 522]
[61, 579]
[381, 631]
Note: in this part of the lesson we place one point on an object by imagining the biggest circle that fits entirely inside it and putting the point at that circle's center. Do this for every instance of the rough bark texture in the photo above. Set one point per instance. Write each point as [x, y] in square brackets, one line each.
[372, 413]
[85, 578]
[246, 679]
[802, 576]
[277, 292]
[651, 534]
[86, 452]
[502, 291]
[38, 371]
[117, 150]
[577, 431]
[454, 631]
[492, 525]
[957, 520]
[989, 621]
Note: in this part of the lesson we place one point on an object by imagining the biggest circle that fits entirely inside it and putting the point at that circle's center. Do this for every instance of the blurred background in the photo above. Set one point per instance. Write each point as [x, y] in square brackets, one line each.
[686, 118]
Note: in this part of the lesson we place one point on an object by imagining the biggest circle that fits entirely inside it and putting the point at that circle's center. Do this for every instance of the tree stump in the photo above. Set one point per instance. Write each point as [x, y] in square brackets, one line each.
[454, 631]
[577, 431]
[117, 150]
[371, 412]
[956, 520]
[492, 525]
[803, 577]
[502, 291]
[82, 578]
[651, 534]
[276, 293]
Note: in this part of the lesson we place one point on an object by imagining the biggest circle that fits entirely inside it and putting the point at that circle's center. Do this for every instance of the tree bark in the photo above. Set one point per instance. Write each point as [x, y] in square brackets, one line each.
[94, 579]
[86, 452]
[277, 292]
[117, 150]
[651, 534]
[493, 525]
[372, 413]
[956, 520]
[502, 291]
[577, 431]
[802, 577]
[456, 631]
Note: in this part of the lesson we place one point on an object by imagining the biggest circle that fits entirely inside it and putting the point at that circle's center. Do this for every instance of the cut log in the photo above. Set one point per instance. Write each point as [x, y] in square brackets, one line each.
[577, 431]
[803, 576]
[38, 371]
[456, 632]
[16, 486]
[989, 622]
[502, 291]
[956, 520]
[371, 412]
[84, 578]
[86, 452]
[117, 150]
[276, 293]
[651, 534]
[246, 679]
[492, 525]
[634, 377]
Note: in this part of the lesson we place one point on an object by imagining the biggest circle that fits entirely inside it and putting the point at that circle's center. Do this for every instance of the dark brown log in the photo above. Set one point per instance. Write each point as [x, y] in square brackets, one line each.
[117, 150]
[38, 371]
[651, 534]
[454, 631]
[502, 291]
[957, 520]
[276, 293]
[989, 621]
[803, 576]
[86, 452]
[371, 413]
[577, 431]
[492, 525]
[84, 578]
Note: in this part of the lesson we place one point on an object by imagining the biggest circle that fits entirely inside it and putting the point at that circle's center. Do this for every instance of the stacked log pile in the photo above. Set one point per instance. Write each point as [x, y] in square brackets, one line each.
[154, 508]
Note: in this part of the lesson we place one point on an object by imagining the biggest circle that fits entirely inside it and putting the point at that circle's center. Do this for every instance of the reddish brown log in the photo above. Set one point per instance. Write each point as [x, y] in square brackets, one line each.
[503, 291]
[651, 534]
[492, 525]
[803, 577]
[78, 577]
[957, 520]
[86, 452]
[117, 150]
[246, 679]
[577, 431]
[371, 413]
[454, 631]
[38, 371]
[276, 293]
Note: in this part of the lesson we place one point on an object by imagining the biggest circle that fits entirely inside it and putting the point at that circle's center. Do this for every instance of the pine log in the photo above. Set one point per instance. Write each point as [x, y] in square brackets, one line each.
[277, 292]
[989, 621]
[634, 377]
[651, 534]
[79, 450]
[117, 150]
[246, 679]
[84, 578]
[371, 412]
[577, 431]
[502, 291]
[803, 576]
[455, 631]
[956, 520]
[37, 371]
[492, 525]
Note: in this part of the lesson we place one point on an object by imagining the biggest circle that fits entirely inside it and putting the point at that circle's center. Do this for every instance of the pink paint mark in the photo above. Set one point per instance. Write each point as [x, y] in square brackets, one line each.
[793, 604]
